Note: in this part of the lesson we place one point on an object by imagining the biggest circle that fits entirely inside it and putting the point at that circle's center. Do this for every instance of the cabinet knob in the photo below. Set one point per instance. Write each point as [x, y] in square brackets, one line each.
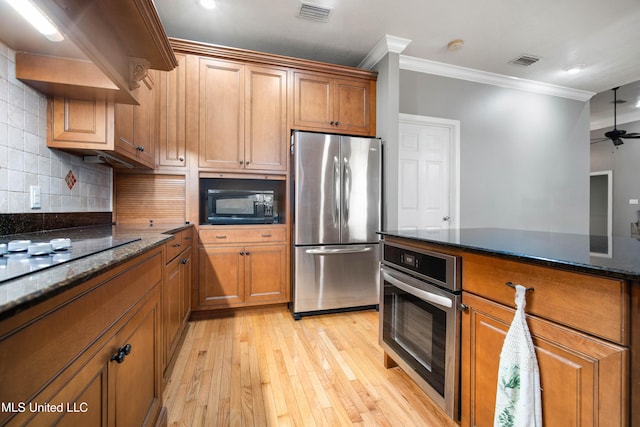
[181, 159]
[247, 253]
[121, 354]
[337, 123]
[241, 162]
[140, 148]
[241, 253]
[332, 122]
[184, 261]
[247, 162]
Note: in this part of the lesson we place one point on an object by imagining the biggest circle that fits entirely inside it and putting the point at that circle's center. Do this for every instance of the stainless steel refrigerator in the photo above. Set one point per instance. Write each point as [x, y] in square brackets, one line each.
[337, 211]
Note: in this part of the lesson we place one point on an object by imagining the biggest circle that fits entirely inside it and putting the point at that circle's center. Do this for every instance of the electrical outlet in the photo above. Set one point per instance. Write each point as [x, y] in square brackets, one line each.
[35, 197]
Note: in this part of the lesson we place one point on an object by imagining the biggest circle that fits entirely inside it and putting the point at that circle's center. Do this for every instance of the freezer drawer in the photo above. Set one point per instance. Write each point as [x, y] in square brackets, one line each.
[335, 277]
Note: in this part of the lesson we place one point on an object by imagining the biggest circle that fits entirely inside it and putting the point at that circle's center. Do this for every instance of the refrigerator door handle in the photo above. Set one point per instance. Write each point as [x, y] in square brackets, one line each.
[346, 189]
[336, 191]
[354, 250]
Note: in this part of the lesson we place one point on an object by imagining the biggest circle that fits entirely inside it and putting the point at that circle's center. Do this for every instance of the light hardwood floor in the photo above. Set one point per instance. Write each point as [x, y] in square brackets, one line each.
[262, 368]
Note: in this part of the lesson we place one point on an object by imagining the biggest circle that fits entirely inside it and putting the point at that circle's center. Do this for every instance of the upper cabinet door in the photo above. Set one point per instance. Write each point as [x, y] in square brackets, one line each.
[171, 113]
[265, 119]
[328, 103]
[352, 106]
[312, 102]
[221, 114]
[134, 125]
[80, 124]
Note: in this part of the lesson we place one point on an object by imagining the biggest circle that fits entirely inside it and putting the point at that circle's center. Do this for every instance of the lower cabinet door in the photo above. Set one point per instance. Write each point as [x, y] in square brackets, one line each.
[83, 401]
[583, 379]
[221, 276]
[172, 302]
[265, 273]
[134, 371]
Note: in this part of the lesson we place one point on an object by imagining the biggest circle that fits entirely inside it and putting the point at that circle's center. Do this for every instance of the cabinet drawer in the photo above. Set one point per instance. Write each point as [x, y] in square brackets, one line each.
[238, 235]
[591, 304]
[181, 242]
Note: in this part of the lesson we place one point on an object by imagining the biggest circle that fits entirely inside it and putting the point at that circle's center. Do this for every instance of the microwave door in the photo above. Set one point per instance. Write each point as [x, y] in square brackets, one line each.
[316, 163]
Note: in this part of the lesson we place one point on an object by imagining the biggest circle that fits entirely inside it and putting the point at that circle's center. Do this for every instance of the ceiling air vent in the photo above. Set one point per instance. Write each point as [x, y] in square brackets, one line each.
[525, 60]
[314, 12]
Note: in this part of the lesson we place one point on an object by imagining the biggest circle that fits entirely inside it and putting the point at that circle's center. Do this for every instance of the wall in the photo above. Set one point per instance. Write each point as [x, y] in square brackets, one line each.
[624, 162]
[524, 157]
[387, 128]
[25, 159]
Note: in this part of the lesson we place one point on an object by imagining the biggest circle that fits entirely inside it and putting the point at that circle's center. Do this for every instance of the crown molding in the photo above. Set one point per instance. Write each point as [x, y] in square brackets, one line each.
[454, 71]
[386, 44]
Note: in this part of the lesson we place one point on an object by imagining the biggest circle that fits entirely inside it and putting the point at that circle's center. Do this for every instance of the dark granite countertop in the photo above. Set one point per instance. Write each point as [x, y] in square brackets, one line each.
[617, 256]
[25, 291]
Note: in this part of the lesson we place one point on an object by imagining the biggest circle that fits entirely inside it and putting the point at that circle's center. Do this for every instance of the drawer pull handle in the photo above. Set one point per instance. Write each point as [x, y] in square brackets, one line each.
[221, 237]
[177, 245]
[266, 235]
[121, 354]
[511, 285]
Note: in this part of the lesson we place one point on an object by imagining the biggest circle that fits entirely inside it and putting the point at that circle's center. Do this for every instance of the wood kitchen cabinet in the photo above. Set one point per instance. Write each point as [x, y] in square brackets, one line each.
[95, 349]
[171, 116]
[328, 103]
[242, 267]
[242, 116]
[118, 132]
[135, 125]
[176, 293]
[581, 349]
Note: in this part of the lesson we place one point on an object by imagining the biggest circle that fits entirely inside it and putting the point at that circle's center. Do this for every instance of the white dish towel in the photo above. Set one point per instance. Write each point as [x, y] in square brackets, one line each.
[518, 398]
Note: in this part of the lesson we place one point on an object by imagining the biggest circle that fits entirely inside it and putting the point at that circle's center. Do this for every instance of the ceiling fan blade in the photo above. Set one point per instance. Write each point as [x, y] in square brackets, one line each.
[595, 140]
[631, 135]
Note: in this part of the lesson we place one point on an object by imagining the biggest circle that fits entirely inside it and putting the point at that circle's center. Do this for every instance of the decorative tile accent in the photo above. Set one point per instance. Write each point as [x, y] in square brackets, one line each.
[70, 179]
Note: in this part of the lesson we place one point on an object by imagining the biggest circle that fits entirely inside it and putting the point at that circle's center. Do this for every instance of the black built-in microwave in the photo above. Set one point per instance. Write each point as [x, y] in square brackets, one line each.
[240, 207]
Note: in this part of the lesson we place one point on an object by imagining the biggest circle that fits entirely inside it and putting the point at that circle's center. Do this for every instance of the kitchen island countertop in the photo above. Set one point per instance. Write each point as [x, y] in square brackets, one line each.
[617, 256]
[23, 292]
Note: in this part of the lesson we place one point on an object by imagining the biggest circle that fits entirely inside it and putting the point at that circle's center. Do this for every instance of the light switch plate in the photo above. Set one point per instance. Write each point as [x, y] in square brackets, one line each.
[35, 197]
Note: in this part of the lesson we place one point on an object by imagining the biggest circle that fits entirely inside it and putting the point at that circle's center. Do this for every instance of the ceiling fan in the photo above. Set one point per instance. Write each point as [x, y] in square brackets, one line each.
[616, 135]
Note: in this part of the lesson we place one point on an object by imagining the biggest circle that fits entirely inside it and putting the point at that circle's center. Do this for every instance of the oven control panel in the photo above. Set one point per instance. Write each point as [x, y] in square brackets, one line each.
[438, 268]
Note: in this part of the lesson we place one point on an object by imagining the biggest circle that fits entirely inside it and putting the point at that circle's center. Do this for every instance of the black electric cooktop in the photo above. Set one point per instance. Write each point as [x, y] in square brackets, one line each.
[16, 264]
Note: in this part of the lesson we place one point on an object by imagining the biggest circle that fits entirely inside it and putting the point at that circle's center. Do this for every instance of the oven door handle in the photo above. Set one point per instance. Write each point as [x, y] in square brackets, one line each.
[418, 293]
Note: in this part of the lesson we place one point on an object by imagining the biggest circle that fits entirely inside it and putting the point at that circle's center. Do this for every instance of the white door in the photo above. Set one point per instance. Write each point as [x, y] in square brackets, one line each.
[428, 179]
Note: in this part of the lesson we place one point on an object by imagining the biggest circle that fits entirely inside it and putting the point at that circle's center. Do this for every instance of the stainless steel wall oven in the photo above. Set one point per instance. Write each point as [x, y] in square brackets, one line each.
[420, 319]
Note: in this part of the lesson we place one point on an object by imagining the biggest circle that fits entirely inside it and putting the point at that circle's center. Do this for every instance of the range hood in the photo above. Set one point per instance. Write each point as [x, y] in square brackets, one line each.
[109, 47]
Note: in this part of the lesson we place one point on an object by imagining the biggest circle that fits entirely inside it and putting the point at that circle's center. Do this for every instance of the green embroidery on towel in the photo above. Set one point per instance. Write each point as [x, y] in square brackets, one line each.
[510, 387]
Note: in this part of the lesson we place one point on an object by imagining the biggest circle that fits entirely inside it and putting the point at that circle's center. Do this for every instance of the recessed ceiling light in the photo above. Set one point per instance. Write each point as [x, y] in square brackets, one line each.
[35, 17]
[208, 4]
[574, 69]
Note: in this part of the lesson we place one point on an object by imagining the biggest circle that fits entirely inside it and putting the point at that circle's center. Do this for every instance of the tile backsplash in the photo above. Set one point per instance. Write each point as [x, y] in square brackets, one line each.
[26, 161]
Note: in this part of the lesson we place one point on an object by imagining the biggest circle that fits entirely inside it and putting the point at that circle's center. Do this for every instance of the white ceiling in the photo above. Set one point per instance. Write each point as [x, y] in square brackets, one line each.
[604, 36]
